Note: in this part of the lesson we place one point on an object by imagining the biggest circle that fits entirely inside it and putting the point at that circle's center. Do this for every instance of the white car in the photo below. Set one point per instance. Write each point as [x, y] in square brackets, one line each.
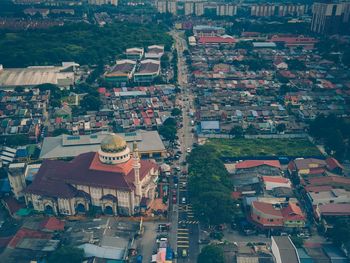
[188, 150]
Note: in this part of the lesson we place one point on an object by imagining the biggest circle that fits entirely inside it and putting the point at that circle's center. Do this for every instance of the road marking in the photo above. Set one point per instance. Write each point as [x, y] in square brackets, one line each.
[183, 242]
[183, 246]
[182, 229]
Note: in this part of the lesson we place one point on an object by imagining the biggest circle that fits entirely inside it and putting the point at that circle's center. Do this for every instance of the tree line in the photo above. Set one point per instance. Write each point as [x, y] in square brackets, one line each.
[210, 187]
[85, 44]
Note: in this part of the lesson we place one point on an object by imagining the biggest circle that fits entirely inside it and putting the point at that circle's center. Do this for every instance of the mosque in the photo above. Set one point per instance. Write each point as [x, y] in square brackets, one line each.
[114, 180]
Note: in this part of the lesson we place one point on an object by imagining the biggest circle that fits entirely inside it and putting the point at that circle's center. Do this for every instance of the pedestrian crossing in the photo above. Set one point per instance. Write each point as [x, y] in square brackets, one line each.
[188, 222]
[182, 238]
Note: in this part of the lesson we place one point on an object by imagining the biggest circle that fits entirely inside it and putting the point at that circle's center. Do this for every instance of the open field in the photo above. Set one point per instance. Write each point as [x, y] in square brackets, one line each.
[264, 147]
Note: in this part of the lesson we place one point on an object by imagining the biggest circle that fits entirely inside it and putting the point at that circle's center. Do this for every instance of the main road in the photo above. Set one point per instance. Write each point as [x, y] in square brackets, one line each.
[185, 230]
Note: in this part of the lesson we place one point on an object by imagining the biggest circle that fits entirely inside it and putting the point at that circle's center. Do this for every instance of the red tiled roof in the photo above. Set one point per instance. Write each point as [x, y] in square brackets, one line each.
[52, 224]
[275, 179]
[212, 40]
[27, 233]
[333, 163]
[266, 208]
[254, 163]
[335, 209]
[292, 212]
[326, 180]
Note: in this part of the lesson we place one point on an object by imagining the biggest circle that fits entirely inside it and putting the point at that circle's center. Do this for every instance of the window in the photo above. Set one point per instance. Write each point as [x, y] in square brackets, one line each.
[258, 217]
[270, 220]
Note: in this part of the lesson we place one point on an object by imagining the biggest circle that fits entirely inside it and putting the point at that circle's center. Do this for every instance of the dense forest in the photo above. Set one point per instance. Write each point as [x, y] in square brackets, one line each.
[82, 43]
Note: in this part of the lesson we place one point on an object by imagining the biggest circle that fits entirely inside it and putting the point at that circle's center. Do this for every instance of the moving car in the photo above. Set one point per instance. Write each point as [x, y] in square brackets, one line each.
[183, 200]
[184, 253]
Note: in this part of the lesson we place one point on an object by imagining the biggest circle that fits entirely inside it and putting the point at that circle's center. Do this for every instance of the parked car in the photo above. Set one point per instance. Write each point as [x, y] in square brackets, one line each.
[174, 199]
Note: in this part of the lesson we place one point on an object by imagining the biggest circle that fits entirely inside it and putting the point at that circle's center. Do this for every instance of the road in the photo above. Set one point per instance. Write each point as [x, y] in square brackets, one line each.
[185, 228]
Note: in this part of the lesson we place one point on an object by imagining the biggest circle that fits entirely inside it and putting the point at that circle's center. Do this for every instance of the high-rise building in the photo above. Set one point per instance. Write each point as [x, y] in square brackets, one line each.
[226, 10]
[103, 2]
[199, 9]
[330, 18]
[189, 8]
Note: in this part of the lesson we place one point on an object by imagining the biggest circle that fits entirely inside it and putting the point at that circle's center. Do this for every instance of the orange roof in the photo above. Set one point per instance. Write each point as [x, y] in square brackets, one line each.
[123, 168]
[255, 163]
[53, 224]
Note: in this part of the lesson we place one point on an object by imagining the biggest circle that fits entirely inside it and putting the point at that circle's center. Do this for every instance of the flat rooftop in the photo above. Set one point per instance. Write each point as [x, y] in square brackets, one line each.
[65, 146]
[33, 76]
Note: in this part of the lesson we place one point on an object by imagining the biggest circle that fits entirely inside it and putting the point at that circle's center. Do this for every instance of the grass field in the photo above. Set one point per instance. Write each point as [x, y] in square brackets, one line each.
[264, 147]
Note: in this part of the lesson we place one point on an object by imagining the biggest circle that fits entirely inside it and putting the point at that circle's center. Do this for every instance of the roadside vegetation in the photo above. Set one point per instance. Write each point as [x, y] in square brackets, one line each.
[210, 188]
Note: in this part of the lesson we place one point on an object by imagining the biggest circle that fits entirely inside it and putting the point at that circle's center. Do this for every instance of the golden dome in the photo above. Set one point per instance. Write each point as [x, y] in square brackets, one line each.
[113, 143]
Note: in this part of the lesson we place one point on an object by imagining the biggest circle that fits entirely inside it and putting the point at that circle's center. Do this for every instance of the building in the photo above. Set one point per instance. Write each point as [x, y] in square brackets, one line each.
[330, 18]
[277, 215]
[103, 2]
[122, 72]
[262, 10]
[226, 10]
[113, 180]
[154, 52]
[312, 166]
[134, 53]
[281, 10]
[284, 250]
[332, 196]
[272, 182]
[65, 146]
[208, 31]
[148, 70]
[216, 40]
[63, 76]
[291, 41]
[209, 127]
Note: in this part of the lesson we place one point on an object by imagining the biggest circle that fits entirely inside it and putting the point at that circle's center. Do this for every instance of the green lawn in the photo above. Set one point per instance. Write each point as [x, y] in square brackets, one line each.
[264, 147]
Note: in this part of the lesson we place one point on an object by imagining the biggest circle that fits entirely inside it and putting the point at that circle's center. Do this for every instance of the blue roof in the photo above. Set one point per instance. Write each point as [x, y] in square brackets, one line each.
[210, 125]
[22, 153]
[5, 186]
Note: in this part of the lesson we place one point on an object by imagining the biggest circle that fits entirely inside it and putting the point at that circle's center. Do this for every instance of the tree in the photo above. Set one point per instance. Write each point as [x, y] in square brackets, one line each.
[237, 131]
[211, 254]
[340, 233]
[170, 122]
[168, 132]
[281, 127]
[60, 131]
[67, 254]
[90, 103]
[14, 140]
[176, 112]
[251, 130]
[19, 89]
[297, 241]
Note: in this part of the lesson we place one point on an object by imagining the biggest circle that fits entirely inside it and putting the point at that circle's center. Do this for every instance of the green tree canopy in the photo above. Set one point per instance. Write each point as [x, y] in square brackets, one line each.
[176, 112]
[211, 254]
[60, 131]
[237, 131]
[90, 103]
